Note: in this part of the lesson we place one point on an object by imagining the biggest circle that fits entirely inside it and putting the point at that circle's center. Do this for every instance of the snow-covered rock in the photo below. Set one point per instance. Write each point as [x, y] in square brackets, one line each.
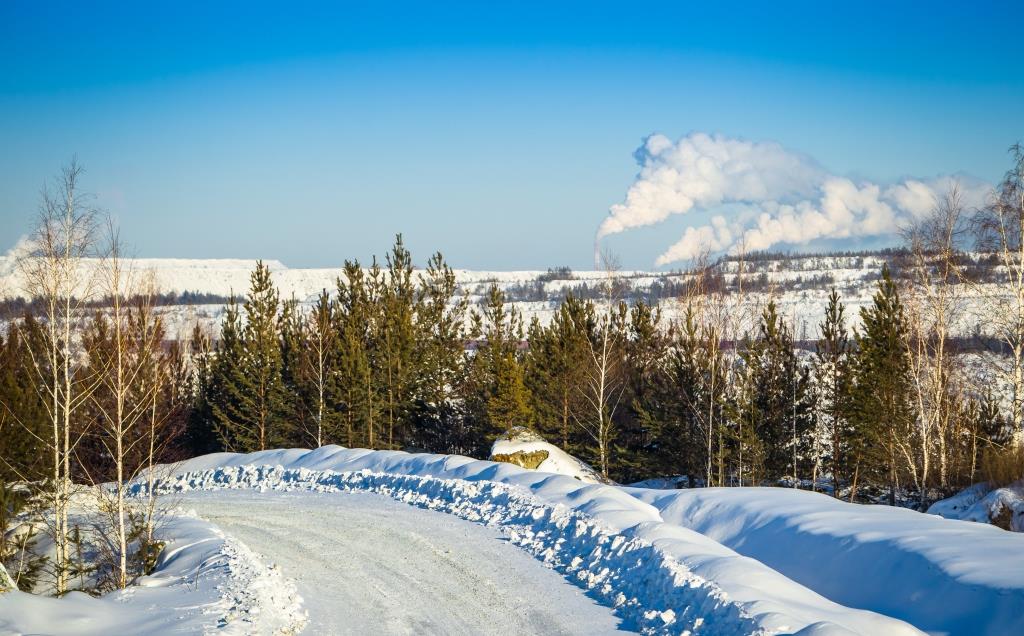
[1001, 507]
[527, 449]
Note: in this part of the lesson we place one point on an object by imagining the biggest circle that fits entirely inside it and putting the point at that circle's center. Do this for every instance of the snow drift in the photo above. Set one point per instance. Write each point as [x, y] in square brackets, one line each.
[658, 576]
[942, 576]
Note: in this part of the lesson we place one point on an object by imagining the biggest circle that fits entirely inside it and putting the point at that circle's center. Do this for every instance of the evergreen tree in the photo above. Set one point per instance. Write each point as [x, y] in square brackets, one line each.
[294, 377]
[251, 405]
[883, 389]
[437, 418]
[645, 348]
[397, 340]
[555, 370]
[494, 367]
[780, 405]
[357, 384]
[508, 405]
[200, 435]
[23, 414]
[690, 396]
[833, 370]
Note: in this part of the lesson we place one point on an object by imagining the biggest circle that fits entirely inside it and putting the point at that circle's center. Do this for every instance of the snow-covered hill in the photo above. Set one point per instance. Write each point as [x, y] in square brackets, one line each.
[799, 284]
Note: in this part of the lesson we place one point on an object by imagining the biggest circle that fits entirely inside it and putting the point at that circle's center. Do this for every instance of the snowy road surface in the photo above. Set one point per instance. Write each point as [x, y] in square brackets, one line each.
[366, 564]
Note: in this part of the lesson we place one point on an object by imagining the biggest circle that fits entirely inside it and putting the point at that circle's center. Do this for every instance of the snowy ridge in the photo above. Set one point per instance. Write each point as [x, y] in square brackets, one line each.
[659, 577]
[204, 583]
[942, 576]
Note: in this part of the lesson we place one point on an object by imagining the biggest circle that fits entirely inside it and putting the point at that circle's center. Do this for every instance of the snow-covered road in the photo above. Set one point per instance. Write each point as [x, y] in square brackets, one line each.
[366, 564]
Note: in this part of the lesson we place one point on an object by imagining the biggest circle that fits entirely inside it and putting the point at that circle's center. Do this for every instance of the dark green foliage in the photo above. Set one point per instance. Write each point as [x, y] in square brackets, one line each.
[436, 415]
[834, 371]
[358, 387]
[646, 345]
[778, 404]
[495, 394]
[555, 366]
[883, 392]
[250, 405]
[24, 418]
[17, 549]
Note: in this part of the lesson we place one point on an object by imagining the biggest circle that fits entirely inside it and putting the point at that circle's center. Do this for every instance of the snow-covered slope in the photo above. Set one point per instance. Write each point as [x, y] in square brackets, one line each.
[942, 576]
[527, 449]
[659, 576]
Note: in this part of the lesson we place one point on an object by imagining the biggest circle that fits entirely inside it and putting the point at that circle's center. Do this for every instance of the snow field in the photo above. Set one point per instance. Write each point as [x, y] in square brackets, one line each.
[659, 577]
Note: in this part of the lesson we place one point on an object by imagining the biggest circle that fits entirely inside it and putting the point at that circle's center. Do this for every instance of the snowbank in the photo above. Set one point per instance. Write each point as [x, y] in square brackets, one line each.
[1003, 507]
[942, 576]
[659, 577]
[203, 583]
[527, 449]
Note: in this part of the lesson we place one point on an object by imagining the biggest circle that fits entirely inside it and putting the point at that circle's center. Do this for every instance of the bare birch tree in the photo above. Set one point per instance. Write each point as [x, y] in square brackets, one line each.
[57, 273]
[603, 387]
[933, 304]
[1000, 230]
[124, 363]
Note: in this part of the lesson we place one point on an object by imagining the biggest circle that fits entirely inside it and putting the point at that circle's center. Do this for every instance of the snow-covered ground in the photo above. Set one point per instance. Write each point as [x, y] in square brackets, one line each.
[204, 583]
[942, 576]
[659, 577]
[384, 536]
[366, 564]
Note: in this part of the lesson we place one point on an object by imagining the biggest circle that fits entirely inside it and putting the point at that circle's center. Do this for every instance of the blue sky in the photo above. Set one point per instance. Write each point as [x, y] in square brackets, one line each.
[497, 133]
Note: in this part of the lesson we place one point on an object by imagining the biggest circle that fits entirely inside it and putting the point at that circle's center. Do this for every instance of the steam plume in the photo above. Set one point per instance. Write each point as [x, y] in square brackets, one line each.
[774, 196]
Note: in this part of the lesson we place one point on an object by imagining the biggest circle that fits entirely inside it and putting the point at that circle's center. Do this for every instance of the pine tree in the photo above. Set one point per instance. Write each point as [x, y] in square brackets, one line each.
[396, 344]
[835, 382]
[251, 408]
[437, 419]
[883, 390]
[293, 344]
[357, 384]
[555, 370]
[494, 367]
[779, 402]
[690, 394]
[508, 405]
[645, 348]
[198, 388]
[23, 415]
